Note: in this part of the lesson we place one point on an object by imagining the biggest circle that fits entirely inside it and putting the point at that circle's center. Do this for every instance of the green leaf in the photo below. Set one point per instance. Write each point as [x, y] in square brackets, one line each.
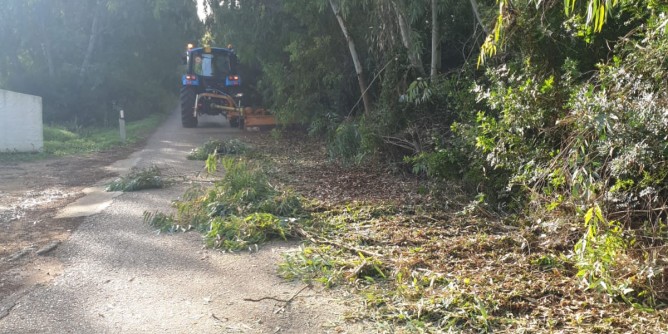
[600, 17]
[588, 216]
[599, 213]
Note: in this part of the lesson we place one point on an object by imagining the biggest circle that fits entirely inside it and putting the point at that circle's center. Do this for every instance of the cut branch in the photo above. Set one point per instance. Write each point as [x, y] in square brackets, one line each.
[302, 233]
[287, 301]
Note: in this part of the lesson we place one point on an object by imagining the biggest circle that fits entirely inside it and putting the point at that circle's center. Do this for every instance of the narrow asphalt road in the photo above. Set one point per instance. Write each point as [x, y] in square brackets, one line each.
[120, 276]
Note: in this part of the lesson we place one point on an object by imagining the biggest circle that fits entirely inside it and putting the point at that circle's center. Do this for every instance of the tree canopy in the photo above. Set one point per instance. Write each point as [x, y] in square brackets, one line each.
[87, 59]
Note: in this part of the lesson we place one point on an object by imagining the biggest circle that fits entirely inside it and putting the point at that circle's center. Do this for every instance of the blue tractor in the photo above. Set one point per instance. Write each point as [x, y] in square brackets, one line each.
[211, 86]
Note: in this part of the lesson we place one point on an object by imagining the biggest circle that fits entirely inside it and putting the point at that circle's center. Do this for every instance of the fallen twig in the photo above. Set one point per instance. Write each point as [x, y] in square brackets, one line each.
[51, 246]
[286, 301]
[354, 249]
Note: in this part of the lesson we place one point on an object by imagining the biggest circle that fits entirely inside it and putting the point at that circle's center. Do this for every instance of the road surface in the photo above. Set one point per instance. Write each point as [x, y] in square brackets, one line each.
[120, 276]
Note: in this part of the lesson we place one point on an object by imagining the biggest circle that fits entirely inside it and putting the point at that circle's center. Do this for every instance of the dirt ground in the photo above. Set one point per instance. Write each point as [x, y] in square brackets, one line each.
[30, 195]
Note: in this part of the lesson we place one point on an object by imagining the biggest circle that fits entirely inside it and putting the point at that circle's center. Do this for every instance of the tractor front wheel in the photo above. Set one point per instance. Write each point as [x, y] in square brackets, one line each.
[187, 101]
[234, 122]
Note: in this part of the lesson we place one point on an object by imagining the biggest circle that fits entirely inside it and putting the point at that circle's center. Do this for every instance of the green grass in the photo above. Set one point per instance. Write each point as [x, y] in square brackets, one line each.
[59, 141]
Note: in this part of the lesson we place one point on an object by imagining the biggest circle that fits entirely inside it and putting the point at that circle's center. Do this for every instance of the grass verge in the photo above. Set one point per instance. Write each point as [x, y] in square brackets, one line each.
[59, 141]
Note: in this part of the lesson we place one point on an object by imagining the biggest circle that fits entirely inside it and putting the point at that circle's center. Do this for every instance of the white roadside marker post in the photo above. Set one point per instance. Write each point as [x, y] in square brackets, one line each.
[121, 125]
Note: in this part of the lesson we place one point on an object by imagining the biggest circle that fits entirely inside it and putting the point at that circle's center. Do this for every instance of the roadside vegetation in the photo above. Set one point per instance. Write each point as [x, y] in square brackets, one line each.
[535, 130]
[414, 265]
[474, 166]
[60, 141]
[512, 180]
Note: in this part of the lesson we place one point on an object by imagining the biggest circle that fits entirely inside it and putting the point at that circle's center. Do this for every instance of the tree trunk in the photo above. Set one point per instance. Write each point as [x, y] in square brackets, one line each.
[46, 48]
[407, 40]
[353, 53]
[474, 5]
[94, 34]
[435, 41]
[44, 15]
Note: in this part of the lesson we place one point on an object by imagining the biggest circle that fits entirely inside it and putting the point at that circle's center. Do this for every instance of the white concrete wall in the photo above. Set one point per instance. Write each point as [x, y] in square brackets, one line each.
[21, 128]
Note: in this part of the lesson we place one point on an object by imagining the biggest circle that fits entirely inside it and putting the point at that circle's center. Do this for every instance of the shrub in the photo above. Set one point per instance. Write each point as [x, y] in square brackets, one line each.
[571, 145]
[346, 144]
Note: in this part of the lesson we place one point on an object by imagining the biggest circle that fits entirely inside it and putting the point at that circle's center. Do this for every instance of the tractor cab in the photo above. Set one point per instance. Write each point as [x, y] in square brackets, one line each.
[211, 68]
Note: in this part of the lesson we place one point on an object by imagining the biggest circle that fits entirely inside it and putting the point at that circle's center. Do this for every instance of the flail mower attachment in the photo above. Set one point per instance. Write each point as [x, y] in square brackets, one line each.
[241, 117]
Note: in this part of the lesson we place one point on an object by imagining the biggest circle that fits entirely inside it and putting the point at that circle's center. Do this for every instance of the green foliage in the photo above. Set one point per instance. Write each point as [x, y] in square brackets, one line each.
[215, 147]
[419, 91]
[313, 264]
[521, 101]
[242, 190]
[294, 61]
[244, 183]
[146, 178]
[240, 211]
[569, 145]
[161, 221]
[582, 19]
[598, 252]
[85, 140]
[346, 144]
[439, 130]
[56, 133]
[234, 233]
[285, 203]
[549, 261]
[597, 11]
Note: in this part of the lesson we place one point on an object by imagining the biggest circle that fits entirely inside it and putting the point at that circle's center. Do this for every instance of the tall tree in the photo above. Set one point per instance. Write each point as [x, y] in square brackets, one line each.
[435, 40]
[92, 40]
[408, 40]
[359, 70]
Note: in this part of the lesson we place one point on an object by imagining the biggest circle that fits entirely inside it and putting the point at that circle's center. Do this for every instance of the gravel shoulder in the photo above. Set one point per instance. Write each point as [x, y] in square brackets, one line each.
[114, 274]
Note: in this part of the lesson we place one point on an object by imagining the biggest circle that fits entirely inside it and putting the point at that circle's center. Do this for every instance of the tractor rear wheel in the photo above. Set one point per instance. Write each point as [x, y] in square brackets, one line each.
[187, 100]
